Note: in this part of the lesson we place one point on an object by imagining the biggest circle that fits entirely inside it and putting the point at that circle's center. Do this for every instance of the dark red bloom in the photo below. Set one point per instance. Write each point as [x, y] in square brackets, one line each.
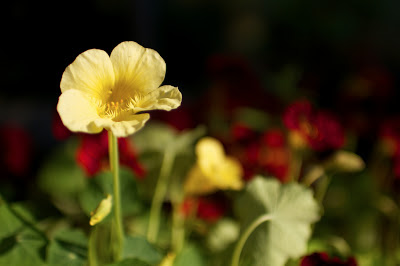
[242, 132]
[180, 119]
[274, 155]
[389, 135]
[265, 153]
[17, 150]
[92, 154]
[320, 130]
[207, 209]
[323, 259]
[60, 132]
[274, 138]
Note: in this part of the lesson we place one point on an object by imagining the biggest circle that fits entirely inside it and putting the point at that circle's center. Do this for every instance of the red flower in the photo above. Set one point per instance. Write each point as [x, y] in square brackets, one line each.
[261, 154]
[17, 150]
[92, 155]
[274, 154]
[320, 130]
[180, 119]
[206, 209]
[60, 132]
[242, 132]
[323, 259]
[389, 134]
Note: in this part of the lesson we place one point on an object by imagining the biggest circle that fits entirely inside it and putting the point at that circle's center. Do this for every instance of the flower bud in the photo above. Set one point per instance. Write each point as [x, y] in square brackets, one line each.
[102, 210]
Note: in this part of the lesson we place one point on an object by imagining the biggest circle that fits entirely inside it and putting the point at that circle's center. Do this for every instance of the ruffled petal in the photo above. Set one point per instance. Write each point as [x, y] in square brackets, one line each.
[126, 126]
[138, 70]
[91, 72]
[164, 98]
[77, 112]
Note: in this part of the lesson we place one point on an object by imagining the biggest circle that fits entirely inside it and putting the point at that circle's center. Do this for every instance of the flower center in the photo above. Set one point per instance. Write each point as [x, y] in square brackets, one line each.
[112, 109]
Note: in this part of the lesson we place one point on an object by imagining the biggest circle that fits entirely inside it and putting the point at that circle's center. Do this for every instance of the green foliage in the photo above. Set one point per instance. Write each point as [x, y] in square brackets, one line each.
[156, 140]
[190, 255]
[101, 185]
[20, 242]
[291, 208]
[222, 234]
[68, 248]
[139, 248]
[60, 176]
[157, 137]
[131, 262]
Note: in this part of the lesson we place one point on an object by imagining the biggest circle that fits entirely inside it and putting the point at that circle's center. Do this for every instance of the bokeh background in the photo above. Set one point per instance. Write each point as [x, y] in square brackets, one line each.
[343, 56]
[309, 47]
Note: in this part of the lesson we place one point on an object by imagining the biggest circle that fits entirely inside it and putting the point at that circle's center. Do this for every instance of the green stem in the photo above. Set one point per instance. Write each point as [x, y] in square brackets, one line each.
[178, 229]
[296, 165]
[159, 195]
[322, 188]
[114, 163]
[245, 236]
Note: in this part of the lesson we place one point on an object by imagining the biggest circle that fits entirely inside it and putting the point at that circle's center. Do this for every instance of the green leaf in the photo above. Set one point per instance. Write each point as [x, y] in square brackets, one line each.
[154, 137]
[131, 262]
[60, 176]
[69, 248]
[20, 243]
[139, 248]
[254, 118]
[222, 234]
[101, 185]
[292, 209]
[158, 137]
[190, 255]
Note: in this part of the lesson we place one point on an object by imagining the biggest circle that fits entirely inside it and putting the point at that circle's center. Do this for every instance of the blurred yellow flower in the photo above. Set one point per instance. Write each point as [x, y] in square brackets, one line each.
[112, 92]
[213, 170]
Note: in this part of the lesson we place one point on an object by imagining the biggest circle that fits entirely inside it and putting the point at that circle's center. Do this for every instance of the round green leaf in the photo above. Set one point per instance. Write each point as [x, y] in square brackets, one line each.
[292, 209]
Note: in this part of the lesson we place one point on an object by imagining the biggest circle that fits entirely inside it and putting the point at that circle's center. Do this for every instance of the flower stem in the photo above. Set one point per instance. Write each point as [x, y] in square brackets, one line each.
[240, 244]
[159, 194]
[178, 229]
[322, 188]
[114, 163]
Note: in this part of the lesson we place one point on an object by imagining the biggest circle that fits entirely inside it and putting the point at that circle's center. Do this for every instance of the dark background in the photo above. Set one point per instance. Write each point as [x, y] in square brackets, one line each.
[324, 43]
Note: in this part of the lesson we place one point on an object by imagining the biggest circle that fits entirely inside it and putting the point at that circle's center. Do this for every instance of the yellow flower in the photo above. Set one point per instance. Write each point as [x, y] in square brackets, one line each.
[213, 170]
[112, 92]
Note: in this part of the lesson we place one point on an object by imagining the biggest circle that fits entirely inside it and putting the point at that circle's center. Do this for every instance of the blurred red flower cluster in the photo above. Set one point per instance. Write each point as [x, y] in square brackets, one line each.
[323, 259]
[261, 153]
[204, 208]
[92, 152]
[318, 129]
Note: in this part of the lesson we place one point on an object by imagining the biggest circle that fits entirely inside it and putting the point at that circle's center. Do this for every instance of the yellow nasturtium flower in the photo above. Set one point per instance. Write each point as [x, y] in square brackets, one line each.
[213, 170]
[112, 92]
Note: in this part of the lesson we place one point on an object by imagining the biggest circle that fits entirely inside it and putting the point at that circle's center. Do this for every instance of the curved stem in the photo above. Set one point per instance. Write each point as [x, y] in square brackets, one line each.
[242, 240]
[159, 194]
[114, 163]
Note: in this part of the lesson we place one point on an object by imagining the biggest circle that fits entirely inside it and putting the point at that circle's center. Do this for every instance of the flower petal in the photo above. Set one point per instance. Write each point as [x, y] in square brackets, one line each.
[197, 183]
[91, 72]
[77, 112]
[210, 155]
[164, 98]
[138, 70]
[126, 126]
[230, 174]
